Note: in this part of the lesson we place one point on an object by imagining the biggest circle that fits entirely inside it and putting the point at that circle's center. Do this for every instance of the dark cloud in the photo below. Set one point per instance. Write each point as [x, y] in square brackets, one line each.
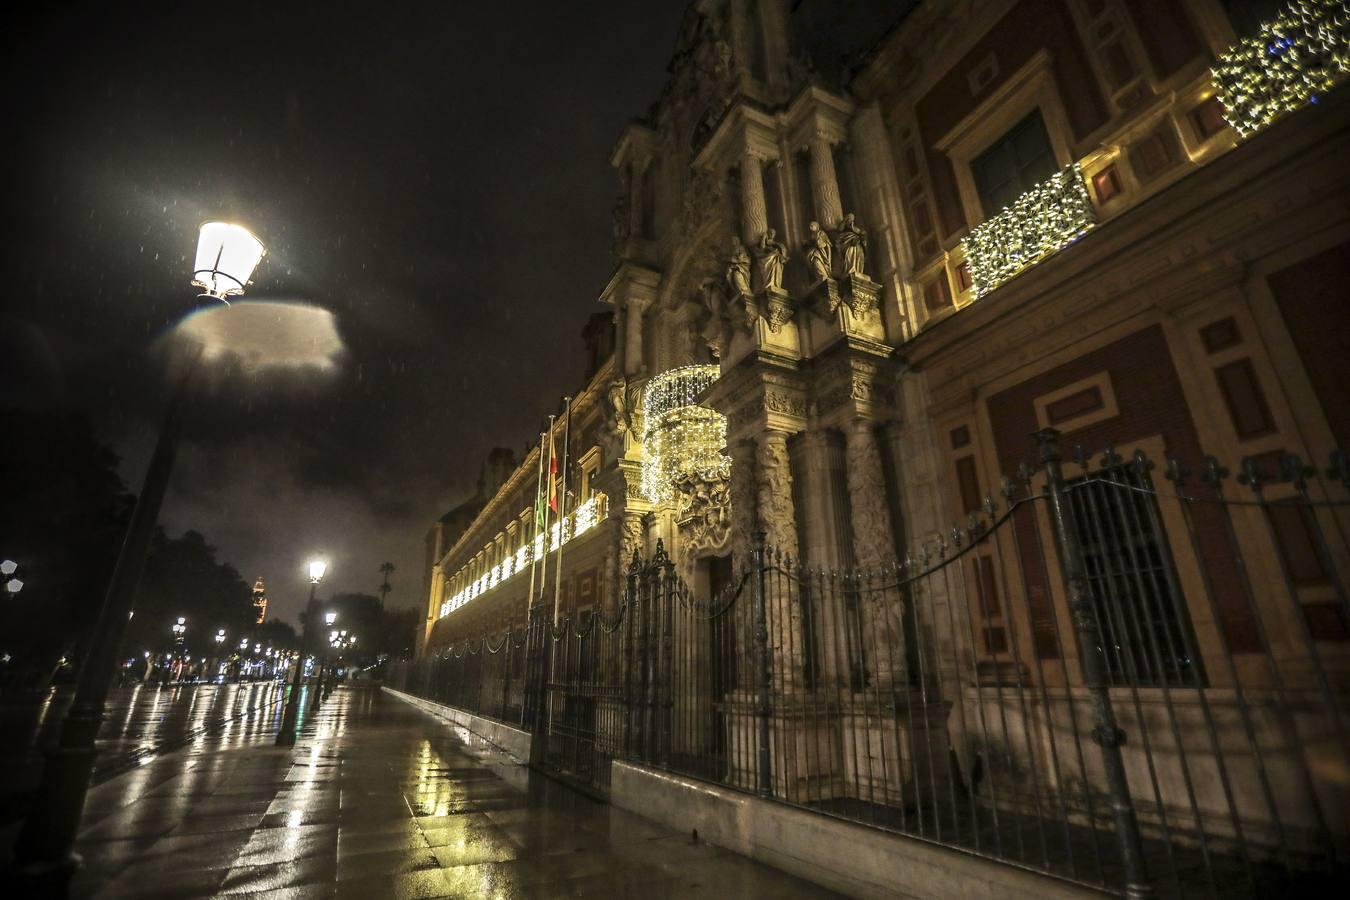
[435, 174]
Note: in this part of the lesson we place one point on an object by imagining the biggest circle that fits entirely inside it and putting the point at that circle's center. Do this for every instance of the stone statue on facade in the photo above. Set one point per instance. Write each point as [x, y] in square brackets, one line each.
[852, 242]
[819, 253]
[738, 270]
[619, 418]
[773, 256]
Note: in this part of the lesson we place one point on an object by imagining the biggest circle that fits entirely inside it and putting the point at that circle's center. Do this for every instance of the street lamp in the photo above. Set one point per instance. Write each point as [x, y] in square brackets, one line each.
[7, 569]
[44, 851]
[179, 630]
[226, 257]
[286, 735]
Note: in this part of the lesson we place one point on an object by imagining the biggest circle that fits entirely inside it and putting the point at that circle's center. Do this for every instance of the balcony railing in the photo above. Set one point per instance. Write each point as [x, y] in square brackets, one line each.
[1040, 223]
[1297, 56]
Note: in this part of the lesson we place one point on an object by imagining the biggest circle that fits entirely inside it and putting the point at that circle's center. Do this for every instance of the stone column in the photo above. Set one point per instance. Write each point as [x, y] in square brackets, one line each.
[825, 183]
[874, 547]
[777, 518]
[755, 216]
[817, 541]
[773, 493]
[632, 354]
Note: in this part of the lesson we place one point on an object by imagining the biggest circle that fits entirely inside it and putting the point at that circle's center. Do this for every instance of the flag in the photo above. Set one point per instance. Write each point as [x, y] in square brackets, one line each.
[552, 475]
[539, 490]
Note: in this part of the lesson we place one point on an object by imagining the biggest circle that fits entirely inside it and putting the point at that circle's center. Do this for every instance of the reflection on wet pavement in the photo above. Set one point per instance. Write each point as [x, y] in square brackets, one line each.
[378, 800]
[139, 722]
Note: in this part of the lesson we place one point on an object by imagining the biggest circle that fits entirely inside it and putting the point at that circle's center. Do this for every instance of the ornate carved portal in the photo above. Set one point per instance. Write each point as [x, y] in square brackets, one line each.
[704, 513]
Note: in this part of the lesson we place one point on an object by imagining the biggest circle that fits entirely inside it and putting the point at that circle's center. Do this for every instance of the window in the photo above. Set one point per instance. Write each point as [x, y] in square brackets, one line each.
[1144, 631]
[1013, 164]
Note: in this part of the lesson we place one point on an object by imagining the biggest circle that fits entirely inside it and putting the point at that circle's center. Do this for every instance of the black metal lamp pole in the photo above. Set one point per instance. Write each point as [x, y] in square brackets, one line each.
[45, 847]
[286, 735]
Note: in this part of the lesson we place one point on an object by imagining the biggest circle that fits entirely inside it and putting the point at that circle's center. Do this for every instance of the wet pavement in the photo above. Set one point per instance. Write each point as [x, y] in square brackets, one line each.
[379, 800]
[141, 721]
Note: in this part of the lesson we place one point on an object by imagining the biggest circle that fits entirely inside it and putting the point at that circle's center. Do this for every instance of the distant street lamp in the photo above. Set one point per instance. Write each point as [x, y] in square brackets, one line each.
[286, 735]
[179, 630]
[44, 851]
[7, 569]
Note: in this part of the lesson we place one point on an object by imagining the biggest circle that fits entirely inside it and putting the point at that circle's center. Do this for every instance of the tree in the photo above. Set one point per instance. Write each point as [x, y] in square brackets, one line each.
[386, 569]
[183, 578]
[278, 634]
[63, 518]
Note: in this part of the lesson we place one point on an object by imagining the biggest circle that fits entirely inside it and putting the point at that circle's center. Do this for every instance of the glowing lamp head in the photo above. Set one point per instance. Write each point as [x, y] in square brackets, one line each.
[226, 257]
[14, 585]
[330, 617]
[8, 567]
[316, 569]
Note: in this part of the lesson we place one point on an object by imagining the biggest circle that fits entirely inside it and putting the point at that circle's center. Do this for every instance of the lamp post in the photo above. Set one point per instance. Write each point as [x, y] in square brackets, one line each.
[179, 635]
[45, 847]
[286, 735]
[319, 693]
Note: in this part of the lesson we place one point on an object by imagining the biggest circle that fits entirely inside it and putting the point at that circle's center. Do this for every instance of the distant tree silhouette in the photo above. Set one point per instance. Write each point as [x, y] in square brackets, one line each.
[63, 513]
[183, 578]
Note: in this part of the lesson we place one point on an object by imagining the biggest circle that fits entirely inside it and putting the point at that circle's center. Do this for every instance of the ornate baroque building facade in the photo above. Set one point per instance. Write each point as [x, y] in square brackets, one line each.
[825, 329]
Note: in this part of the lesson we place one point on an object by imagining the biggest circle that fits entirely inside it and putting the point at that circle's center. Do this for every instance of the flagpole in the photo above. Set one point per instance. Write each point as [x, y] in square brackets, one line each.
[562, 510]
[538, 485]
[543, 556]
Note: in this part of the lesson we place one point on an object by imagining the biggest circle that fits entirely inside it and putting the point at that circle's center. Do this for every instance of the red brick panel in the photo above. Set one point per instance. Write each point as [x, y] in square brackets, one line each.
[1148, 394]
[1028, 27]
[1311, 297]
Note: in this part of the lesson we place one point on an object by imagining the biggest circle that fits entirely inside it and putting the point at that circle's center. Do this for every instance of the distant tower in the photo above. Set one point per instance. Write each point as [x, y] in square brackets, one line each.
[259, 601]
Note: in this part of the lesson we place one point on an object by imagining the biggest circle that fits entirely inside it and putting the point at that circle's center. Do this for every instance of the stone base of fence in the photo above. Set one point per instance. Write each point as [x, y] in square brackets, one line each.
[514, 742]
[841, 856]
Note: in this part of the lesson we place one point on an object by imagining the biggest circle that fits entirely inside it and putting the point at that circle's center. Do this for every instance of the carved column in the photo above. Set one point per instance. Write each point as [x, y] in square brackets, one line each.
[755, 216]
[874, 546]
[632, 354]
[777, 518]
[773, 490]
[743, 480]
[825, 183]
[818, 546]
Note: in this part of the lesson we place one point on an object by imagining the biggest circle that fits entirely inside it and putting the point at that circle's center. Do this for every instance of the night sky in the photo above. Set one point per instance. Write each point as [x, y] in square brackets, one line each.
[435, 174]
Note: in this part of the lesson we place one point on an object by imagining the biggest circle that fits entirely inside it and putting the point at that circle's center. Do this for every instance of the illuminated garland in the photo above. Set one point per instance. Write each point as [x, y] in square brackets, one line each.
[1041, 222]
[680, 437]
[581, 520]
[1298, 55]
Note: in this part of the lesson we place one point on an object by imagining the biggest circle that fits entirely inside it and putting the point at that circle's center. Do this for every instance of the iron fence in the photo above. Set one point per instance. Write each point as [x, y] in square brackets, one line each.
[1129, 677]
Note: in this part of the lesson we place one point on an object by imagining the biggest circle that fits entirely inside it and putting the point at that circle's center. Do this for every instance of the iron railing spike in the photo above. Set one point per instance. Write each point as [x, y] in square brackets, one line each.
[1250, 474]
[1214, 472]
[1338, 467]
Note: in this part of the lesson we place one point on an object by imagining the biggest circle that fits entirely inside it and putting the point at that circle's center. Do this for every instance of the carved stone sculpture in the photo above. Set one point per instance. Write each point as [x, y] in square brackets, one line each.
[852, 242]
[705, 509]
[819, 253]
[773, 256]
[738, 270]
[620, 419]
